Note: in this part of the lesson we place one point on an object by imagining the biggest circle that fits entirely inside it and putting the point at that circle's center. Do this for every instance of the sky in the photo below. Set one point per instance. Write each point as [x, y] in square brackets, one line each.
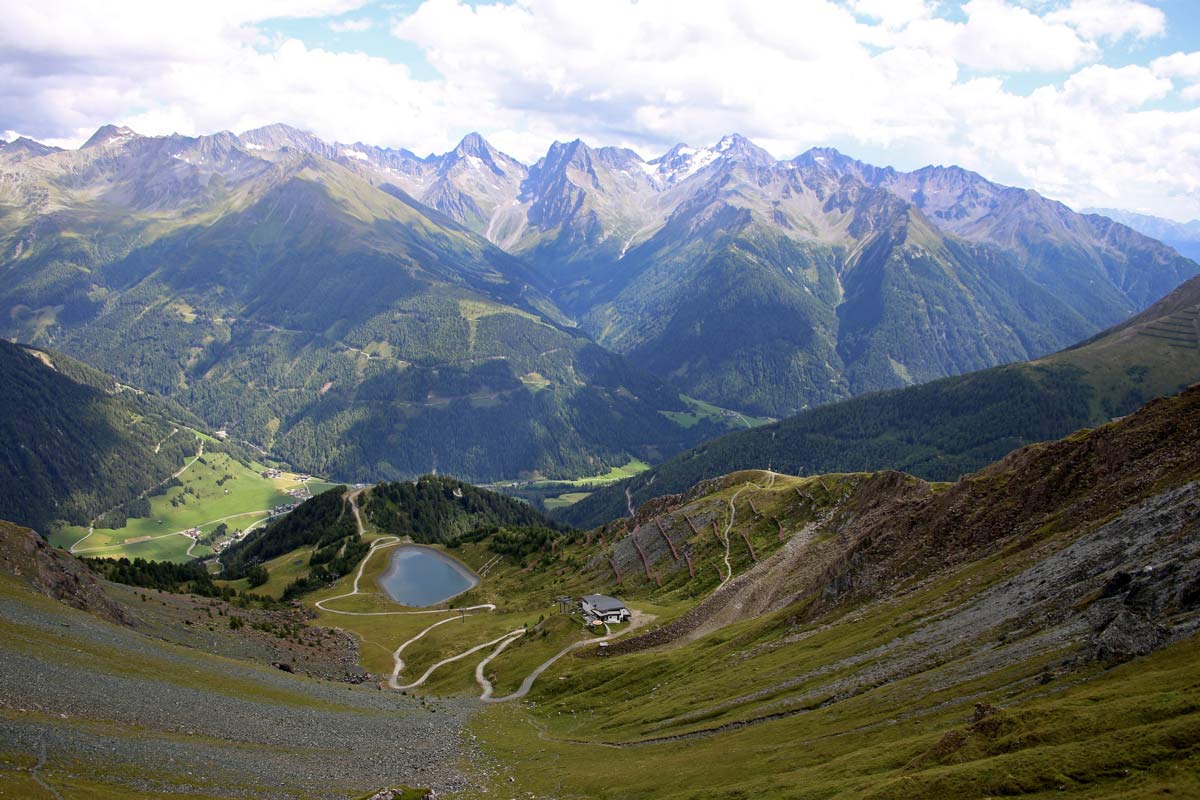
[1092, 102]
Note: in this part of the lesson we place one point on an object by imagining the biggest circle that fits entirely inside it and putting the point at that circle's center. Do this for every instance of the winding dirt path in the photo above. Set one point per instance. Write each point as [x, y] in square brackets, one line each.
[455, 614]
[638, 619]
[504, 640]
[729, 524]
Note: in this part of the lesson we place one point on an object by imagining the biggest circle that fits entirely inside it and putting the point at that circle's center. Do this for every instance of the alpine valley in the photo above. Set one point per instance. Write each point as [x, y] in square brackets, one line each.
[330, 471]
[367, 313]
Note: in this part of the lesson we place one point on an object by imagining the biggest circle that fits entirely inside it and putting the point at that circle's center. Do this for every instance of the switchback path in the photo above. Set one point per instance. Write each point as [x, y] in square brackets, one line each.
[639, 619]
[729, 524]
[454, 614]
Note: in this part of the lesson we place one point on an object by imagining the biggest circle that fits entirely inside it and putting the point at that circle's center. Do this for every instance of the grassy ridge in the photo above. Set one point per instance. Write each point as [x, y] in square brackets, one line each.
[1130, 733]
[921, 642]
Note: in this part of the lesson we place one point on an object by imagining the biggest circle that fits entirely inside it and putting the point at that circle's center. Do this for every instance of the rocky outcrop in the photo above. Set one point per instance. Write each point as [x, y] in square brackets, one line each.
[26, 555]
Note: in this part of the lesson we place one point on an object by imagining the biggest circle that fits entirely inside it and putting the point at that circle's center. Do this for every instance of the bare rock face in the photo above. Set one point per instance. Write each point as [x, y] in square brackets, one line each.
[1126, 634]
[26, 555]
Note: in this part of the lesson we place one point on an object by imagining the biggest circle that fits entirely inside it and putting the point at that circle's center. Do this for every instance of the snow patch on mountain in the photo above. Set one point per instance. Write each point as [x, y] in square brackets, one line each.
[679, 164]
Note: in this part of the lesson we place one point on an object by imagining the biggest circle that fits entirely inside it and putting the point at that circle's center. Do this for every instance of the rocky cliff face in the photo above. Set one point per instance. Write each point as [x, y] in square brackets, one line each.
[26, 556]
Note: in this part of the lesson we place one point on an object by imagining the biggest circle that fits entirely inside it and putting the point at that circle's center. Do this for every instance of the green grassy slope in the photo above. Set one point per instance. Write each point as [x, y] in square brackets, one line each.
[865, 635]
[950, 427]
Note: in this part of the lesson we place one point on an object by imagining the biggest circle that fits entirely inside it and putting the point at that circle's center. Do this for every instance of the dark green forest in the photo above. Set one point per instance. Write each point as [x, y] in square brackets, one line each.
[76, 444]
[438, 509]
[325, 520]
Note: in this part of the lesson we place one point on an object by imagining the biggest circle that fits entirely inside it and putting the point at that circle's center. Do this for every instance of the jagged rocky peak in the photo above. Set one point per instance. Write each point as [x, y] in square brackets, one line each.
[559, 159]
[680, 163]
[110, 135]
[824, 156]
[475, 151]
[574, 153]
[473, 144]
[737, 147]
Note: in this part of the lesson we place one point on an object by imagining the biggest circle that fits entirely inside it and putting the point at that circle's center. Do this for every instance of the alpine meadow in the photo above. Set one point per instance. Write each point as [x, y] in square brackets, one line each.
[616, 399]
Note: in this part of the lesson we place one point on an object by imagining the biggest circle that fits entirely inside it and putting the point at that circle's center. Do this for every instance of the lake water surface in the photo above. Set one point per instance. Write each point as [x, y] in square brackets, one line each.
[421, 576]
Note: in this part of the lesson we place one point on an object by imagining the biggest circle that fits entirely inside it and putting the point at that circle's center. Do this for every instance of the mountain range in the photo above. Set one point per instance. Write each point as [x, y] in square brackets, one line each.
[342, 324]
[366, 312]
[773, 285]
[1183, 236]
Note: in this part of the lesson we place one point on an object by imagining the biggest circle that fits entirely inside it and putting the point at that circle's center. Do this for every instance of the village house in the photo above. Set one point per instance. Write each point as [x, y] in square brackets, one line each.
[602, 608]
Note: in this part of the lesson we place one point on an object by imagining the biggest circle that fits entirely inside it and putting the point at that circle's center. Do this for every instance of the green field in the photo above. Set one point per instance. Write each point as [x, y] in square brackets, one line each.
[543, 490]
[702, 411]
[564, 500]
[615, 474]
[216, 488]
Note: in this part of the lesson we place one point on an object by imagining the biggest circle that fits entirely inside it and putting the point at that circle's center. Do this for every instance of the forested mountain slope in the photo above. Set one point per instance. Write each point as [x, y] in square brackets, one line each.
[76, 443]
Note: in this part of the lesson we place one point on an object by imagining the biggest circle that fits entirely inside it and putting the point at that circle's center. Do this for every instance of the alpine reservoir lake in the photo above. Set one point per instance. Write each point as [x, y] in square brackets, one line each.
[421, 576]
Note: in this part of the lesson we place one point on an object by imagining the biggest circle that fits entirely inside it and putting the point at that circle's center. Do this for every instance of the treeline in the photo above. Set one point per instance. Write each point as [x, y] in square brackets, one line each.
[516, 543]
[191, 577]
[328, 564]
[166, 576]
[118, 517]
[324, 522]
[937, 431]
[438, 509]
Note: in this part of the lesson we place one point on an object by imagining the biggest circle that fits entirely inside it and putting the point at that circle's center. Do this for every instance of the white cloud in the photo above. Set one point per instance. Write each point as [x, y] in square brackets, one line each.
[1178, 65]
[893, 13]
[1112, 19]
[1124, 88]
[1002, 37]
[1185, 67]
